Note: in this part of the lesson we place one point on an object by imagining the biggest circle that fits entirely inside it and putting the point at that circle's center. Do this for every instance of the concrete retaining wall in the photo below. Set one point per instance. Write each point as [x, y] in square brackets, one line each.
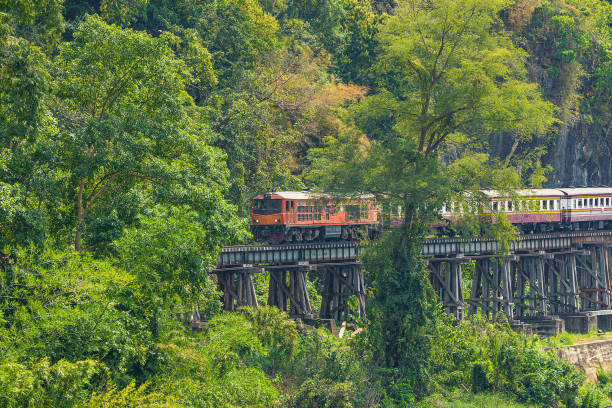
[595, 320]
[588, 356]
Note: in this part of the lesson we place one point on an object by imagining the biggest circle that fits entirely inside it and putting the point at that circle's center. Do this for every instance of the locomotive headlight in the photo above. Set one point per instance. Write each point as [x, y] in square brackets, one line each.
[256, 221]
[276, 220]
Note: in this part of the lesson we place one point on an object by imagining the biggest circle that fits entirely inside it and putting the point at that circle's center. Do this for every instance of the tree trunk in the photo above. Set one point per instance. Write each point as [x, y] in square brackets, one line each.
[80, 216]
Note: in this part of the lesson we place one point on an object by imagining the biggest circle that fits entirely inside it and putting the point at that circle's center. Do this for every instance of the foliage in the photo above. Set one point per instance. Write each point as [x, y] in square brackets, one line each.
[462, 399]
[277, 333]
[129, 397]
[501, 359]
[43, 384]
[127, 126]
[216, 369]
[138, 131]
[69, 306]
[333, 371]
[171, 254]
[400, 312]
[318, 393]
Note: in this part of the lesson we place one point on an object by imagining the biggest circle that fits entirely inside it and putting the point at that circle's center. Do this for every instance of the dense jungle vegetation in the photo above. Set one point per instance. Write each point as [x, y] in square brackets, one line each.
[133, 134]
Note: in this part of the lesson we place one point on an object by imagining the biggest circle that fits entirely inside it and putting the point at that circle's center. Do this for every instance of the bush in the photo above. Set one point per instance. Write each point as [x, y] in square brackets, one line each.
[325, 367]
[323, 393]
[591, 396]
[489, 355]
[45, 385]
[218, 368]
[480, 382]
[277, 333]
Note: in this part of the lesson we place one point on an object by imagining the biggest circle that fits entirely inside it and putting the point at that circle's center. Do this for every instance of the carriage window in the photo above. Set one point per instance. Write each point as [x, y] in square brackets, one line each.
[352, 212]
[550, 204]
[287, 205]
[509, 205]
[607, 201]
[579, 203]
[495, 206]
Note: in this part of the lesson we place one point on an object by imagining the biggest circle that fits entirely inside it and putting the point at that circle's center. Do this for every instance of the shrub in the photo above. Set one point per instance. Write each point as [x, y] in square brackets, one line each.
[484, 354]
[45, 385]
[480, 382]
[277, 333]
[323, 393]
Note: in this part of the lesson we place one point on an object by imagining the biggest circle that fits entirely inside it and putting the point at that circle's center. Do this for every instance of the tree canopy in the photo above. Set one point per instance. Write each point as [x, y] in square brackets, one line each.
[134, 135]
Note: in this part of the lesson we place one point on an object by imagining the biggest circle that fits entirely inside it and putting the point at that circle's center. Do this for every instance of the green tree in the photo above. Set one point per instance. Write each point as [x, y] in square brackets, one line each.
[125, 125]
[448, 77]
[171, 254]
[27, 176]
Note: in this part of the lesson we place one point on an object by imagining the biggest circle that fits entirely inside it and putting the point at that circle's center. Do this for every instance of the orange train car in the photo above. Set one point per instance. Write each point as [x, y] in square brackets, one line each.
[298, 216]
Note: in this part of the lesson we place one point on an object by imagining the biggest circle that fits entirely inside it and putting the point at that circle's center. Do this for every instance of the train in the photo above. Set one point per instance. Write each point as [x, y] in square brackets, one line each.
[301, 216]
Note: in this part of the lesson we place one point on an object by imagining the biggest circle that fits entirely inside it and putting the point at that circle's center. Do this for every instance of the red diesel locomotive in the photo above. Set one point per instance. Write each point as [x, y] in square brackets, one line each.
[297, 216]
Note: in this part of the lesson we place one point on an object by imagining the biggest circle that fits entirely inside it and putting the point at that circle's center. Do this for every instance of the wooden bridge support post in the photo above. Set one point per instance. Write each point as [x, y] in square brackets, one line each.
[574, 300]
[507, 292]
[293, 296]
[447, 281]
[540, 286]
[492, 290]
[277, 289]
[594, 279]
[298, 293]
[238, 289]
[518, 287]
[342, 282]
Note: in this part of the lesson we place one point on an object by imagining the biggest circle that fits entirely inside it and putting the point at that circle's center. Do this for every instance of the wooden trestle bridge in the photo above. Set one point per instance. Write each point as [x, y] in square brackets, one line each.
[544, 276]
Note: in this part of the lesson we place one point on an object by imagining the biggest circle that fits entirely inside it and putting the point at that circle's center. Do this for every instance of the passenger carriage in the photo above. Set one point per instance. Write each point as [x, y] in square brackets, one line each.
[545, 210]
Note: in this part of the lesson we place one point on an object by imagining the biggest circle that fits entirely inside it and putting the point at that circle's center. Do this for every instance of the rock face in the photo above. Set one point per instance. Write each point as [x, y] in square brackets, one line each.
[580, 156]
[589, 357]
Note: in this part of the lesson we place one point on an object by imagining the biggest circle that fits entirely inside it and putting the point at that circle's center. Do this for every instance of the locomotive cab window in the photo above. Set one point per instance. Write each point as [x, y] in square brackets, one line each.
[267, 206]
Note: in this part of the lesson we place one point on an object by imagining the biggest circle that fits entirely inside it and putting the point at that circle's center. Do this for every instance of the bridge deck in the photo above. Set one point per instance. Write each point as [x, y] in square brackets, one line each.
[333, 251]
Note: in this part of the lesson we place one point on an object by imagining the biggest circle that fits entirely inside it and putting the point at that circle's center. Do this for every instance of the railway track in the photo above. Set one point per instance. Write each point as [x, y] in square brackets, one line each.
[316, 252]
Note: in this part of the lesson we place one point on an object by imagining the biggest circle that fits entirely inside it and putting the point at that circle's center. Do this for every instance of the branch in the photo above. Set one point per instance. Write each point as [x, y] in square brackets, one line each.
[434, 76]
[432, 147]
[512, 150]
[457, 37]
[116, 86]
[101, 180]
[92, 198]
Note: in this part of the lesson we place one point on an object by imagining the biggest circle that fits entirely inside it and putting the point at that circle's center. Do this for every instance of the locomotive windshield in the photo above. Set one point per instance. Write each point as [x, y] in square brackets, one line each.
[267, 206]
